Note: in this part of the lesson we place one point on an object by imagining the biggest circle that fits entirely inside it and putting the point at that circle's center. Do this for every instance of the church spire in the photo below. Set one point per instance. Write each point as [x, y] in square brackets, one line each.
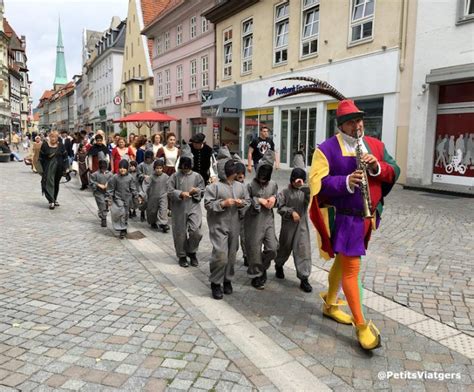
[61, 75]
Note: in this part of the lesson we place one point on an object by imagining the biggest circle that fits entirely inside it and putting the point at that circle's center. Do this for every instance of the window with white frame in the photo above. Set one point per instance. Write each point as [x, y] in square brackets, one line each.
[159, 82]
[227, 42]
[179, 35]
[167, 82]
[193, 75]
[167, 41]
[179, 79]
[204, 24]
[205, 71]
[362, 20]
[310, 27]
[247, 45]
[159, 48]
[282, 21]
[140, 92]
[193, 29]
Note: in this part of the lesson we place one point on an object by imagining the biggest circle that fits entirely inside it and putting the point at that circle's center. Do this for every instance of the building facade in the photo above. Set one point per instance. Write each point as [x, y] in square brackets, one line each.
[259, 43]
[5, 113]
[89, 40]
[105, 78]
[137, 92]
[183, 65]
[441, 138]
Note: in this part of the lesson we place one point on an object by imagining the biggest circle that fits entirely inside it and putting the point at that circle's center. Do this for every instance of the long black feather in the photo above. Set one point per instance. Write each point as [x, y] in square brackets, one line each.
[317, 86]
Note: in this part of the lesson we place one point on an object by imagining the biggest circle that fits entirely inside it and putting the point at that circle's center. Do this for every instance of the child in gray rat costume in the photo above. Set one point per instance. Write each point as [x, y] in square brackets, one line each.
[185, 190]
[155, 190]
[225, 201]
[293, 203]
[99, 181]
[260, 221]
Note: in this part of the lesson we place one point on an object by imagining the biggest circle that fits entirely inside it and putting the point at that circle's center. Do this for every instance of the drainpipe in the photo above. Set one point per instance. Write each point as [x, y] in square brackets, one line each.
[403, 34]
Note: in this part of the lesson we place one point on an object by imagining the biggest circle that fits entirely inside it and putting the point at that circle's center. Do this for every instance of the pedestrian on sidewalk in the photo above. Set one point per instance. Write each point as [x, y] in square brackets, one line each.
[35, 151]
[83, 166]
[293, 203]
[185, 189]
[144, 172]
[99, 181]
[170, 153]
[338, 214]
[97, 152]
[154, 188]
[225, 201]
[260, 222]
[121, 193]
[53, 158]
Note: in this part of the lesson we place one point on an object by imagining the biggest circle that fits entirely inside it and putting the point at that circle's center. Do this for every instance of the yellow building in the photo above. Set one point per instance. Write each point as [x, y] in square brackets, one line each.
[137, 78]
[353, 44]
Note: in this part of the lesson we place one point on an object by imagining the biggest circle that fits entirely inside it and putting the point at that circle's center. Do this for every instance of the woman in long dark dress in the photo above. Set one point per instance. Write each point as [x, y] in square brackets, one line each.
[53, 158]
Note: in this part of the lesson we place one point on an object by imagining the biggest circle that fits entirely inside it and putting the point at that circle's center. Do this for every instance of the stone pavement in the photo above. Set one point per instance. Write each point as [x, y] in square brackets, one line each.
[81, 310]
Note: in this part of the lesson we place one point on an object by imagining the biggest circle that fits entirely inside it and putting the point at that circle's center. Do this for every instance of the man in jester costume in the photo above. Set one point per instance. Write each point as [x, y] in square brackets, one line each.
[337, 213]
[337, 208]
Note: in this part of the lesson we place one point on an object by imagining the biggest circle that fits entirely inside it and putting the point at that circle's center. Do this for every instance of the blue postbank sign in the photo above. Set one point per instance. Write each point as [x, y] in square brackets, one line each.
[276, 91]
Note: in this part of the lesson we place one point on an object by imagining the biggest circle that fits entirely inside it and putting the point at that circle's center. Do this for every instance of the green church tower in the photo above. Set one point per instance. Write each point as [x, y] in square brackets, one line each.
[61, 75]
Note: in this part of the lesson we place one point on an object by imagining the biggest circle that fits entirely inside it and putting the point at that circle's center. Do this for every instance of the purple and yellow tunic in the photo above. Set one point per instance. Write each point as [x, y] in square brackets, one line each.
[332, 162]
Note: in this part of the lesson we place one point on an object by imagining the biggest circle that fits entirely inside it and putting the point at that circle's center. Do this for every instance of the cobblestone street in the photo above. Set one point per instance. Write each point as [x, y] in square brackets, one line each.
[82, 310]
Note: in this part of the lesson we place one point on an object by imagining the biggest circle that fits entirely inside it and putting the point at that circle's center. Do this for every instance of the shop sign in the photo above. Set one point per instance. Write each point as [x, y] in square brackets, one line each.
[276, 91]
[231, 110]
[117, 100]
[102, 114]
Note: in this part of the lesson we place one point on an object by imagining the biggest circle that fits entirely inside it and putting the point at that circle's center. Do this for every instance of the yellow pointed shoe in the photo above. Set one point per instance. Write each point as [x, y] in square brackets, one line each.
[368, 335]
[333, 311]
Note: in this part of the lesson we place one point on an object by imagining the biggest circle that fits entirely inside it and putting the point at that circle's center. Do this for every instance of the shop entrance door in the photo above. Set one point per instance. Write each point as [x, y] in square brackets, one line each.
[303, 133]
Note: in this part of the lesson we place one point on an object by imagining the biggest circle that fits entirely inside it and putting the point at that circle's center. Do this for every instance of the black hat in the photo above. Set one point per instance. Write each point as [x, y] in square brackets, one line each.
[123, 164]
[185, 163]
[149, 154]
[297, 173]
[197, 138]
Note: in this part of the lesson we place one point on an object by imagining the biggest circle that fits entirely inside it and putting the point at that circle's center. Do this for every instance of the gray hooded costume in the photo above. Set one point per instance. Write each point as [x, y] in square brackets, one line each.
[123, 191]
[100, 195]
[156, 193]
[224, 223]
[186, 214]
[294, 236]
[260, 222]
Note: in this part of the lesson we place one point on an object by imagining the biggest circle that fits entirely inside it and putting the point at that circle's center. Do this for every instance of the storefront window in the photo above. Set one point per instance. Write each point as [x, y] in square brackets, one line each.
[453, 160]
[254, 120]
[198, 125]
[373, 118]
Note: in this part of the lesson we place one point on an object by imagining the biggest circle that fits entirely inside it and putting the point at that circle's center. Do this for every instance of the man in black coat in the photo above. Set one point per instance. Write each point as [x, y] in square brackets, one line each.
[202, 154]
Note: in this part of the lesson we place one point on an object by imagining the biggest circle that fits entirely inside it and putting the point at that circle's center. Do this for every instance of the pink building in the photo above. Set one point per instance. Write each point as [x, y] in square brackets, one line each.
[183, 65]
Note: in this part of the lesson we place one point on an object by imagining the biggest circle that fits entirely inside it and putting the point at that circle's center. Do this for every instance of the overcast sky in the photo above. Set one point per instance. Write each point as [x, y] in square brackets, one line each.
[38, 21]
